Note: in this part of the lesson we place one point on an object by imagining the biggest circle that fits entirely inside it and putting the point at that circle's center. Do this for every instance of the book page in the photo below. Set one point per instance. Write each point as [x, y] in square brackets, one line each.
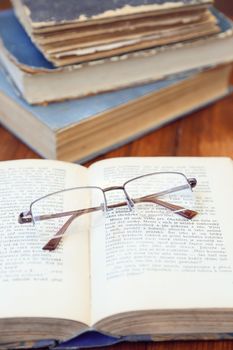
[36, 282]
[166, 262]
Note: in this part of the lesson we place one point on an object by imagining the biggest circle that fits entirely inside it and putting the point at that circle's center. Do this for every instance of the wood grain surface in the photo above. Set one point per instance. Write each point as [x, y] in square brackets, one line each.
[208, 132]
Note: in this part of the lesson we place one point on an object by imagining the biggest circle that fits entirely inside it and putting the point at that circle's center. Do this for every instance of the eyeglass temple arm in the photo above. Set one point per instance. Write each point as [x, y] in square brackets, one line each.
[187, 213]
[27, 217]
[55, 240]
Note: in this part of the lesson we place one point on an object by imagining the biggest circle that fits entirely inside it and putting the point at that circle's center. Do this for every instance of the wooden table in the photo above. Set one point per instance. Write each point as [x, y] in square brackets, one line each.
[208, 132]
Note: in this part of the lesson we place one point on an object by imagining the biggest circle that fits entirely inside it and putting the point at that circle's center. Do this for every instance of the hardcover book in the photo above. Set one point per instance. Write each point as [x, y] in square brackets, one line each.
[111, 275]
[74, 32]
[81, 129]
[39, 81]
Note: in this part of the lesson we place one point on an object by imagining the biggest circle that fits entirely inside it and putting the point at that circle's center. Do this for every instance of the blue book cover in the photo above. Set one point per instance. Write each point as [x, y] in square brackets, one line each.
[93, 339]
[18, 44]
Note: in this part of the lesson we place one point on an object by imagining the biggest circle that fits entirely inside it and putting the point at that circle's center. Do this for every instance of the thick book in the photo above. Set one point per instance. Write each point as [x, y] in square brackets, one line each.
[123, 246]
[81, 129]
[39, 81]
[73, 32]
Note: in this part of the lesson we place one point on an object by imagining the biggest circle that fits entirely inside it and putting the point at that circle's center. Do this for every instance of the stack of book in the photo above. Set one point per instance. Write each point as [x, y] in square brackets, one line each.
[89, 76]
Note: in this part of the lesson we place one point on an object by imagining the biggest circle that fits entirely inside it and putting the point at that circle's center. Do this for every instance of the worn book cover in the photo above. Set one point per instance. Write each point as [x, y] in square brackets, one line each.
[45, 13]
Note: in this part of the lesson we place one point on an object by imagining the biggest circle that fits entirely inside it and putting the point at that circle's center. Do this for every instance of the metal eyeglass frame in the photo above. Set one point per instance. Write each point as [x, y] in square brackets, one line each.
[28, 217]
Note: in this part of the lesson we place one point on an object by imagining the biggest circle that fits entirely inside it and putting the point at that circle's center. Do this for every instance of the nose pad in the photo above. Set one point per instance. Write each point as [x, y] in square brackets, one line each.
[130, 203]
[104, 208]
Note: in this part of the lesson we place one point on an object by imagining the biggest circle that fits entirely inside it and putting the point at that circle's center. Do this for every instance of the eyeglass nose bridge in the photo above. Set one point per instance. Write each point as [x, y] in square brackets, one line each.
[129, 201]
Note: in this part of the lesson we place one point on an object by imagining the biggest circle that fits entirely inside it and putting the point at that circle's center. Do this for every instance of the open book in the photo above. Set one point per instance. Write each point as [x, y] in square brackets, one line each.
[116, 275]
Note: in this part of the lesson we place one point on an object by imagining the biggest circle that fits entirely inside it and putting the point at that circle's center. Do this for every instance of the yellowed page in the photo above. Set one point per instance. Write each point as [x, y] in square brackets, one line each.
[35, 282]
[181, 264]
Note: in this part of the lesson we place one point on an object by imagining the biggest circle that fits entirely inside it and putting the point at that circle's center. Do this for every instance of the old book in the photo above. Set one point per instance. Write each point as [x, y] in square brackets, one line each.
[114, 273]
[81, 129]
[74, 32]
[39, 81]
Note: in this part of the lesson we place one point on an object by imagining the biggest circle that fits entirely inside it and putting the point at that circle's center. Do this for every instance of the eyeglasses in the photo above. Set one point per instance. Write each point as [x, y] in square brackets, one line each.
[171, 191]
